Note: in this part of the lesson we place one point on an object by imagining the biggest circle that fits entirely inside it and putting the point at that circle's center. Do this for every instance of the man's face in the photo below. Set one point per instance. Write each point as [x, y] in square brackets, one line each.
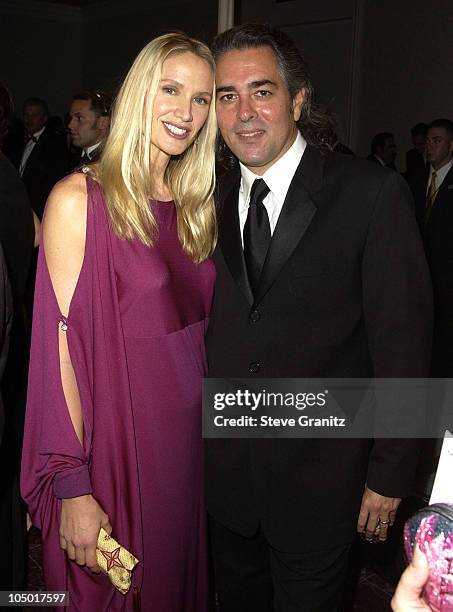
[255, 113]
[387, 152]
[439, 147]
[85, 127]
[34, 118]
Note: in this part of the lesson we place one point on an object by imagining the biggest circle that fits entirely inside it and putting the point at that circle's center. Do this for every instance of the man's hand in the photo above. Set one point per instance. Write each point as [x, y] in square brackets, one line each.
[376, 510]
[81, 520]
[407, 597]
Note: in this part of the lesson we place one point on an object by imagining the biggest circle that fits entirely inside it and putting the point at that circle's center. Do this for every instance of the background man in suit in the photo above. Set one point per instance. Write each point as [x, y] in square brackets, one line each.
[6, 315]
[17, 233]
[89, 123]
[435, 201]
[320, 273]
[44, 159]
[383, 150]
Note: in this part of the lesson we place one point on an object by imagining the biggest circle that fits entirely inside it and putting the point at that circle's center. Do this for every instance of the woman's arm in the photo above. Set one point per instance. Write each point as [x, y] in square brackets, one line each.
[64, 232]
[64, 244]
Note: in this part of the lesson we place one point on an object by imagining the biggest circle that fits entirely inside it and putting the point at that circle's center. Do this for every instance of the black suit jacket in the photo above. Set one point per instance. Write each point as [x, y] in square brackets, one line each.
[47, 164]
[6, 316]
[438, 233]
[345, 292]
[16, 237]
[415, 162]
[17, 230]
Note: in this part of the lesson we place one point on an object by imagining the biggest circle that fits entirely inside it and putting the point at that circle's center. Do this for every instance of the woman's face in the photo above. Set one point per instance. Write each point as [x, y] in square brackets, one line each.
[182, 103]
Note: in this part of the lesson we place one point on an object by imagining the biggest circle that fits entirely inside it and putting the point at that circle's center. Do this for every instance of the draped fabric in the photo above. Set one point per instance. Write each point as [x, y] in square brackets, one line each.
[54, 462]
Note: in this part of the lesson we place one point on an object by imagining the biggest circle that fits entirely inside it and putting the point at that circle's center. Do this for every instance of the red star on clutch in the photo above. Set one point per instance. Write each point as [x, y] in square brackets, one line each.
[112, 558]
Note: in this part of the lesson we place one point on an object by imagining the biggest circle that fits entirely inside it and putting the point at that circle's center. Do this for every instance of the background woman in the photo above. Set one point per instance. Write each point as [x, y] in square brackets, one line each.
[124, 287]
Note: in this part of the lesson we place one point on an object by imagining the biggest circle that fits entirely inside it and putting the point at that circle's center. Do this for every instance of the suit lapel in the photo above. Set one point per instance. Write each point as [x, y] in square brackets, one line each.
[295, 218]
[230, 238]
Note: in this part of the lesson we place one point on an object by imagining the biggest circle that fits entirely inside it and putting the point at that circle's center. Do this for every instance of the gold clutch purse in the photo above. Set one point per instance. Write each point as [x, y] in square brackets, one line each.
[115, 561]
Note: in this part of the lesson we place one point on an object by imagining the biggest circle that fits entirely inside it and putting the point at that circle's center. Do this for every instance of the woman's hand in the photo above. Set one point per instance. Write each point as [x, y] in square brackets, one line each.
[81, 520]
[408, 595]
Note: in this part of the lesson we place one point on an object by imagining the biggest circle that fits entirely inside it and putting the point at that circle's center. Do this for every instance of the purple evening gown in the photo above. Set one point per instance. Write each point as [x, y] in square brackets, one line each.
[135, 331]
[164, 301]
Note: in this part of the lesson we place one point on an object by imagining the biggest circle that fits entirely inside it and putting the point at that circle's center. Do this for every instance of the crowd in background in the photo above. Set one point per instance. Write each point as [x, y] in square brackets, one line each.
[38, 149]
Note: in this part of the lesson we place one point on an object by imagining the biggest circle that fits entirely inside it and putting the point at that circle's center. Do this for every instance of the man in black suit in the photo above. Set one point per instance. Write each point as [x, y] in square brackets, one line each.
[17, 234]
[320, 273]
[383, 150]
[44, 159]
[434, 207]
[6, 316]
[89, 123]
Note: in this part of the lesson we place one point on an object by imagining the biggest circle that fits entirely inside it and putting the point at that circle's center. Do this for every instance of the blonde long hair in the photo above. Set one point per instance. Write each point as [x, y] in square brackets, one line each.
[125, 171]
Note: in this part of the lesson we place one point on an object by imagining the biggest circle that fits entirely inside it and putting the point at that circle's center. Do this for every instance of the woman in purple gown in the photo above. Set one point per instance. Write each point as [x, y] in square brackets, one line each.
[124, 287]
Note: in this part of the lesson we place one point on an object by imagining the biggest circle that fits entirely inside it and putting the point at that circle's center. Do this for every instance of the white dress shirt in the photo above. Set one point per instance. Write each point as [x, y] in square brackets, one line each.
[29, 148]
[278, 178]
[90, 150]
[441, 174]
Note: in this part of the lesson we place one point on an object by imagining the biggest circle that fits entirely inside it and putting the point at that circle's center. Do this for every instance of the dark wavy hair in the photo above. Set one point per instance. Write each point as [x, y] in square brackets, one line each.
[316, 124]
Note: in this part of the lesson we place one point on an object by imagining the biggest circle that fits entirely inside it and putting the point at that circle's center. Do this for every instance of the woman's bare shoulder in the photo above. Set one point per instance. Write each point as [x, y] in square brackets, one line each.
[69, 196]
[64, 223]
[67, 204]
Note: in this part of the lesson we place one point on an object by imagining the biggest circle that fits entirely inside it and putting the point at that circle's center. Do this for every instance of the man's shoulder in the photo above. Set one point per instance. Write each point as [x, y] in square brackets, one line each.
[345, 170]
[355, 178]
[357, 168]
[358, 185]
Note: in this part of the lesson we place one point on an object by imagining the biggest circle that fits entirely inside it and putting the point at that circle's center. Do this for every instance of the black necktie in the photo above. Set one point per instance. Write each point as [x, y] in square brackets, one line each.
[85, 159]
[257, 233]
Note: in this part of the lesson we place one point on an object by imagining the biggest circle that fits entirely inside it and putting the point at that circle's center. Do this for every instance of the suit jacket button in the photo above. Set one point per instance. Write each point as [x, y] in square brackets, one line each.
[254, 367]
[255, 316]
